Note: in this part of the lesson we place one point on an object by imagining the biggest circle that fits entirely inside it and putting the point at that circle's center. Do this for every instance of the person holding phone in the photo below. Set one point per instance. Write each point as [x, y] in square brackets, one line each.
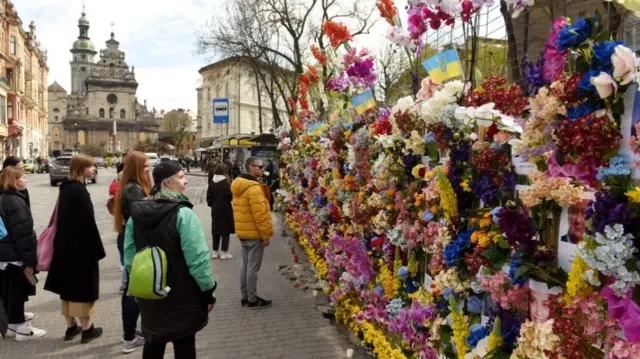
[18, 257]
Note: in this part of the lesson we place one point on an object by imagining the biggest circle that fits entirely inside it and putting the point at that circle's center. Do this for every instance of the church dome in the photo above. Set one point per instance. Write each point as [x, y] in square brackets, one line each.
[83, 44]
[83, 20]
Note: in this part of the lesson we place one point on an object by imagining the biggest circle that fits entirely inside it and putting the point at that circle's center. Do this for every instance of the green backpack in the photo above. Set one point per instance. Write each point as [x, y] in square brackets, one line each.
[148, 278]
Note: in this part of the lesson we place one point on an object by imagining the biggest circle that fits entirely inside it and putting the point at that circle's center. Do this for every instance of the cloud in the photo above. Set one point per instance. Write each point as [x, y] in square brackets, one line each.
[158, 37]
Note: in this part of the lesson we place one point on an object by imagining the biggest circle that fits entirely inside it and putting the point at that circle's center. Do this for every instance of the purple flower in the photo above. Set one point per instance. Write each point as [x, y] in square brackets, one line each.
[361, 73]
[554, 59]
[533, 75]
[606, 210]
[338, 83]
[485, 188]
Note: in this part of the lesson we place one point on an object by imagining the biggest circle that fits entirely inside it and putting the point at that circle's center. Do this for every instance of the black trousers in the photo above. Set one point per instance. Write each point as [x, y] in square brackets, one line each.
[14, 291]
[225, 242]
[184, 348]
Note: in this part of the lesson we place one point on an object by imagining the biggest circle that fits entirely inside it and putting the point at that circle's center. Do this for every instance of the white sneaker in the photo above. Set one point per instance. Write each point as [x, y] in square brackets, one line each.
[27, 332]
[226, 255]
[130, 347]
[11, 331]
[215, 255]
[28, 316]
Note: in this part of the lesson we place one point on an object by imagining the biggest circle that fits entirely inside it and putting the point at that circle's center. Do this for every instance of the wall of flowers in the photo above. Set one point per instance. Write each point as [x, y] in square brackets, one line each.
[486, 222]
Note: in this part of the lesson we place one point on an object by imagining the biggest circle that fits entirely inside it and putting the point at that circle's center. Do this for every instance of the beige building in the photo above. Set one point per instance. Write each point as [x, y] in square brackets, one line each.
[232, 78]
[102, 108]
[23, 96]
[189, 141]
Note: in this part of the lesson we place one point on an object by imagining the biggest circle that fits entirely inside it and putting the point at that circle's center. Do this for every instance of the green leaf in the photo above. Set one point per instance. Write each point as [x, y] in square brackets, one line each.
[502, 243]
[496, 256]
[604, 35]
[560, 157]
[522, 270]
[582, 65]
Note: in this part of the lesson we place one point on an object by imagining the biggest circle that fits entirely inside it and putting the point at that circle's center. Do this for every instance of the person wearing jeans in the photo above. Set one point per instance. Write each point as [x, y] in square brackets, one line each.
[252, 217]
[219, 199]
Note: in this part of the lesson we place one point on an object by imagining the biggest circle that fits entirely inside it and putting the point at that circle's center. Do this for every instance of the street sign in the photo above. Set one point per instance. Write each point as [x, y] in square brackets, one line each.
[221, 110]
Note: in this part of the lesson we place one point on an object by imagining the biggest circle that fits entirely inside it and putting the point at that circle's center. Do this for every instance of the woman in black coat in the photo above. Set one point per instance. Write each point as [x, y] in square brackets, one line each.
[74, 272]
[219, 198]
[18, 257]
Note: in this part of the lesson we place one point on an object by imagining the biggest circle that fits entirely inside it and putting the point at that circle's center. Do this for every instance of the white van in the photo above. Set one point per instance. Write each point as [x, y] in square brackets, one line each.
[153, 159]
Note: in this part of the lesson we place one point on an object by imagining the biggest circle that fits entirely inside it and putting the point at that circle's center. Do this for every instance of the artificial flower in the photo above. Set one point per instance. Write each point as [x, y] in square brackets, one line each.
[624, 64]
[604, 84]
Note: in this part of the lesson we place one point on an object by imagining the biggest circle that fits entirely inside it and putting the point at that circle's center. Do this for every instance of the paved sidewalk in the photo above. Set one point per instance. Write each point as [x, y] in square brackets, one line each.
[291, 328]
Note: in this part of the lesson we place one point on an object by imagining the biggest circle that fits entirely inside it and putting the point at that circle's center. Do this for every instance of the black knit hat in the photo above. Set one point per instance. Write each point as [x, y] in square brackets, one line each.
[163, 171]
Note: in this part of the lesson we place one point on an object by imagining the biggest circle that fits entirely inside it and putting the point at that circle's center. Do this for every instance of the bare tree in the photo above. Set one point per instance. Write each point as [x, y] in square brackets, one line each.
[391, 65]
[176, 124]
[274, 36]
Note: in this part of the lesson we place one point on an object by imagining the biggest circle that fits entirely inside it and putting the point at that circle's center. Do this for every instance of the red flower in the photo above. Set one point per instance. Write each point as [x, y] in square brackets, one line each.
[588, 138]
[318, 55]
[508, 100]
[313, 74]
[387, 10]
[422, 171]
[337, 33]
[292, 104]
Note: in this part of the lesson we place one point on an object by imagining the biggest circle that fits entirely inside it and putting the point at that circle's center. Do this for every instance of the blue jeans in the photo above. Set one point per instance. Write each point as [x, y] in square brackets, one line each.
[130, 309]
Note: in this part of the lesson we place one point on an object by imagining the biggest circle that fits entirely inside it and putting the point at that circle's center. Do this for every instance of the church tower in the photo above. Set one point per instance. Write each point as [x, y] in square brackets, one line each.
[83, 53]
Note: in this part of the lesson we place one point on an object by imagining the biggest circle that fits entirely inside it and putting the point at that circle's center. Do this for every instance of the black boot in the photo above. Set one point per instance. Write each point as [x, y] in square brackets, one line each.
[90, 334]
[72, 332]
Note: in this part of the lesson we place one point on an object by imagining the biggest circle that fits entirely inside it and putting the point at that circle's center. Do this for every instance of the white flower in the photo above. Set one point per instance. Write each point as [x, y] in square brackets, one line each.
[403, 104]
[385, 140]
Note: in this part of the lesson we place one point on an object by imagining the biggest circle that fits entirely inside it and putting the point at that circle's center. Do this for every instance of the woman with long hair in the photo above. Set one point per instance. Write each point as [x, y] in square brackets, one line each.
[17, 255]
[219, 198]
[74, 273]
[13, 161]
[135, 185]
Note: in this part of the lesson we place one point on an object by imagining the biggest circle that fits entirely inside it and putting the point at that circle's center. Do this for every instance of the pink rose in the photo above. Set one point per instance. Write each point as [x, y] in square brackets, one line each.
[605, 84]
[624, 64]
[501, 137]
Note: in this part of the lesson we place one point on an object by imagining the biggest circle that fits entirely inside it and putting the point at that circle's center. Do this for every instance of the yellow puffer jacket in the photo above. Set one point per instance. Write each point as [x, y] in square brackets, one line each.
[251, 211]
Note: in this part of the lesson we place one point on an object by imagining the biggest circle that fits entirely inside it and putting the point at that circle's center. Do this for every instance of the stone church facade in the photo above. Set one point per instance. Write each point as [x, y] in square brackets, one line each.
[102, 108]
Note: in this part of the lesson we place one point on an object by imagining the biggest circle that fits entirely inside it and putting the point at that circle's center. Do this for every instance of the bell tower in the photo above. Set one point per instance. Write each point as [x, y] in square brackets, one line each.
[83, 53]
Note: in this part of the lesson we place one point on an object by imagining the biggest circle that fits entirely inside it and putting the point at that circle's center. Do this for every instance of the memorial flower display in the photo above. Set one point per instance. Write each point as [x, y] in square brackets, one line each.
[430, 238]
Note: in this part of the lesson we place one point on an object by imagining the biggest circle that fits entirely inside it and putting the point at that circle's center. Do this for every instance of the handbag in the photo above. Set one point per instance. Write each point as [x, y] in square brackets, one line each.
[45, 242]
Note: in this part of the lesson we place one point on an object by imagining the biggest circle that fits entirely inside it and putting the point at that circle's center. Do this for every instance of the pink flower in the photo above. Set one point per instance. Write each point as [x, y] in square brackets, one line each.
[624, 64]
[605, 84]
[554, 59]
[501, 137]
[585, 171]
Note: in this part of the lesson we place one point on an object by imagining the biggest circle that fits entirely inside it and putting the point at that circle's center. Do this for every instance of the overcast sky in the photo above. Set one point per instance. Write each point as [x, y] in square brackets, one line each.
[158, 37]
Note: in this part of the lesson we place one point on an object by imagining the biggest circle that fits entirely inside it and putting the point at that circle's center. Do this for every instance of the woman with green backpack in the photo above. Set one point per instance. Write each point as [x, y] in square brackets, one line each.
[167, 258]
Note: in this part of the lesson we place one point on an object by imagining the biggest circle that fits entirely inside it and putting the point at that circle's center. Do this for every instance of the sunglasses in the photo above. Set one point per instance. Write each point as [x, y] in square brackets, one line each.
[260, 167]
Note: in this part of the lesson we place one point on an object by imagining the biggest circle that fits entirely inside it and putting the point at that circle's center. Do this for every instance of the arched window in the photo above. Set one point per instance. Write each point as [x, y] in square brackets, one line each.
[56, 110]
[101, 113]
[208, 95]
[13, 47]
[111, 112]
[123, 114]
[87, 110]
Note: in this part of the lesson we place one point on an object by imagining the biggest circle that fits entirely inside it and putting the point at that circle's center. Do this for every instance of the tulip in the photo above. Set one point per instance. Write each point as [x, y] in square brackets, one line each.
[604, 84]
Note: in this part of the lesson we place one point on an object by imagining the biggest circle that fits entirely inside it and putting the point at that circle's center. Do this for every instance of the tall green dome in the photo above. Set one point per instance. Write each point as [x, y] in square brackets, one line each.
[83, 43]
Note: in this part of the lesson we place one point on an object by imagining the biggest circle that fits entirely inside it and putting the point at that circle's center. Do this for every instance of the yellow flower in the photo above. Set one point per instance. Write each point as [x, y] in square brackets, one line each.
[495, 338]
[460, 329]
[577, 285]
[465, 186]
[448, 198]
[634, 195]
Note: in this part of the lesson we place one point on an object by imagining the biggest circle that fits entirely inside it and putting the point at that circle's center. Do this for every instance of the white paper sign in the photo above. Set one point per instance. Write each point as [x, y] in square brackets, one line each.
[521, 166]
[627, 125]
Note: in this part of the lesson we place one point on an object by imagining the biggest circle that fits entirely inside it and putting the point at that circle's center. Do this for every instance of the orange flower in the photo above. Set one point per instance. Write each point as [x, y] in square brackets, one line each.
[318, 55]
[313, 74]
[387, 10]
[337, 33]
[391, 192]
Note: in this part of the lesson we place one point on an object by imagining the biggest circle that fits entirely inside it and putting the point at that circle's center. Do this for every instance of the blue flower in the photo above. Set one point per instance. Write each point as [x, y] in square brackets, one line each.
[474, 304]
[495, 217]
[454, 250]
[430, 137]
[478, 332]
[427, 216]
[583, 109]
[520, 281]
[602, 52]
[413, 284]
[447, 292]
[379, 290]
[403, 273]
[618, 166]
[573, 35]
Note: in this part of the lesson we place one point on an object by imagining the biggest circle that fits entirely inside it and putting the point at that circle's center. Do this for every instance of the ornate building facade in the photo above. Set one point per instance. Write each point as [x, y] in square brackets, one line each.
[23, 80]
[102, 108]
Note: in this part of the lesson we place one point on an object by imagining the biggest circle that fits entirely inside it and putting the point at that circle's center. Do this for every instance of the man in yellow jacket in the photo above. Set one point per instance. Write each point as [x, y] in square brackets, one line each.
[252, 217]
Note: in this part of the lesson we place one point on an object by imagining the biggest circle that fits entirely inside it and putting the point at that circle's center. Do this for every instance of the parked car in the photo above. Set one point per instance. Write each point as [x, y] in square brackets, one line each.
[153, 158]
[30, 166]
[60, 170]
[100, 162]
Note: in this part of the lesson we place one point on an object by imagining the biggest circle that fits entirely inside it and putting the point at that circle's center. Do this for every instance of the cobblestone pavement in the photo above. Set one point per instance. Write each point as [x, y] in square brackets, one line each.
[291, 328]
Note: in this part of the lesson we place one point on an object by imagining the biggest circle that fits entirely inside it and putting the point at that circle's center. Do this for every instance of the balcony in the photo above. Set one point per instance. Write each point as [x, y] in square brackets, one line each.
[15, 128]
[28, 75]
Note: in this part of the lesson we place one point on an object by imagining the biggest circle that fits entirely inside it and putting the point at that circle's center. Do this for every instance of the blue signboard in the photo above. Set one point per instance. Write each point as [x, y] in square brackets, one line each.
[221, 110]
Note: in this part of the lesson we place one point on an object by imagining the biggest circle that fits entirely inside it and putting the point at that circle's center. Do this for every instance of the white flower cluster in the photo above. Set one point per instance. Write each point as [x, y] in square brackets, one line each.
[401, 37]
[394, 235]
[609, 254]
[431, 110]
[485, 116]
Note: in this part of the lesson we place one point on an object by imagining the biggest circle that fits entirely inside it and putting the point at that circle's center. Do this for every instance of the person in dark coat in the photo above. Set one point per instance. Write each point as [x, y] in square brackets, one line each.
[18, 257]
[74, 273]
[13, 161]
[219, 198]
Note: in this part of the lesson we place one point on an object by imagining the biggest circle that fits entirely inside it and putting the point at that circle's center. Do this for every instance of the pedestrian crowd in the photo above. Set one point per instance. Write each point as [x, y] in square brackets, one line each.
[167, 279]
